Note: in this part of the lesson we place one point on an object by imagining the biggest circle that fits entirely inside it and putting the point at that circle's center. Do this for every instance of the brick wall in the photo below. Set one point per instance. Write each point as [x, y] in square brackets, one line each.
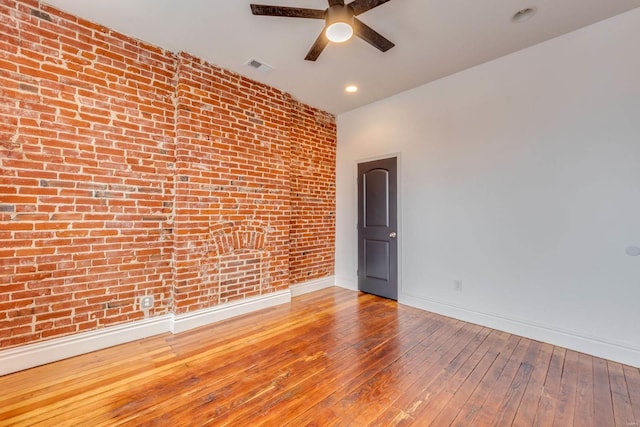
[233, 167]
[313, 193]
[127, 170]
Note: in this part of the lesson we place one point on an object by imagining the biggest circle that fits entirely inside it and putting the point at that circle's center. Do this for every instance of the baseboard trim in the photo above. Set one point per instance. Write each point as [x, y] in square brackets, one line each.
[606, 349]
[32, 355]
[195, 319]
[312, 286]
[345, 282]
[41, 353]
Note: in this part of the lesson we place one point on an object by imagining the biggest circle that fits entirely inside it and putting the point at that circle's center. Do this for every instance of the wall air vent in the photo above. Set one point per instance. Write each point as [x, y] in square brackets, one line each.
[260, 66]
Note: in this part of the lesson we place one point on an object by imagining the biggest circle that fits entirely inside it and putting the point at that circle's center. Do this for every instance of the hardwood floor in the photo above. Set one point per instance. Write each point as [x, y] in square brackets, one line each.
[330, 358]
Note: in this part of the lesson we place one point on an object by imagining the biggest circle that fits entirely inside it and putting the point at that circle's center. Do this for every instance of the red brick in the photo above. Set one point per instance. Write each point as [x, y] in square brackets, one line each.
[113, 180]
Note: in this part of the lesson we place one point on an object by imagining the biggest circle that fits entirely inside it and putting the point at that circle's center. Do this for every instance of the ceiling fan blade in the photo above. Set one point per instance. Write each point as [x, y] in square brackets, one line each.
[336, 3]
[292, 12]
[371, 36]
[361, 6]
[318, 47]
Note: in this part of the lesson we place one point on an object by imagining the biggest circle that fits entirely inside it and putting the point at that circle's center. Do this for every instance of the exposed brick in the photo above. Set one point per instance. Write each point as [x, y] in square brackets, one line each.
[127, 170]
[41, 15]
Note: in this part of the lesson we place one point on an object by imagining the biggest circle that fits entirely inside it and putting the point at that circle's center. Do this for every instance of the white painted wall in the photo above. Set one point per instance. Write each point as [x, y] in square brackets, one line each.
[520, 177]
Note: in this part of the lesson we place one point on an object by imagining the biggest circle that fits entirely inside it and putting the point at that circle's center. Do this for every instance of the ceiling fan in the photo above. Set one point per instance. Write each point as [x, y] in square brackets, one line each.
[340, 23]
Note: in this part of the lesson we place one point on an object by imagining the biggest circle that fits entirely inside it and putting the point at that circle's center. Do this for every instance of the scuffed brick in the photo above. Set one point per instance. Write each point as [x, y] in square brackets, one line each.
[41, 15]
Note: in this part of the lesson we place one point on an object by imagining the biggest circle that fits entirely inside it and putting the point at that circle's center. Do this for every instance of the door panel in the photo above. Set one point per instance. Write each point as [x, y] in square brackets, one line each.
[376, 259]
[376, 203]
[377, 228]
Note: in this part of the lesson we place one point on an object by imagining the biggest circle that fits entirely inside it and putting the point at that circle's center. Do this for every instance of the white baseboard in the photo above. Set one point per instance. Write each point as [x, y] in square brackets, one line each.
[346, 282]
[606, 349]
[40, 353]
[312, 286]
[32, 355]
[195, 319]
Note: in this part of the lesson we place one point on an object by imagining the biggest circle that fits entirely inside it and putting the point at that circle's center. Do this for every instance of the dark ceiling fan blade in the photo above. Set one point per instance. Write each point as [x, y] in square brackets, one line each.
[371, 36]
[361, 6]
[318, 47]
[292, 12]
[336, 3]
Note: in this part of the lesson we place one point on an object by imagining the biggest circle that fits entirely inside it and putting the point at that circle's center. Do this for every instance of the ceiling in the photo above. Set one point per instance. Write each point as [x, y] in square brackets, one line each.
[434, 38]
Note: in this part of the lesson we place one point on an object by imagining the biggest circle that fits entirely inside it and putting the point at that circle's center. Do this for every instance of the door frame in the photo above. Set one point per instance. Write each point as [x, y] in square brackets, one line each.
[354, 219]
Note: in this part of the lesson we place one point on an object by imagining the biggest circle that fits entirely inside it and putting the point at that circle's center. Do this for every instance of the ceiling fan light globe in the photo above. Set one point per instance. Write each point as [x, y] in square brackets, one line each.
[339, 32]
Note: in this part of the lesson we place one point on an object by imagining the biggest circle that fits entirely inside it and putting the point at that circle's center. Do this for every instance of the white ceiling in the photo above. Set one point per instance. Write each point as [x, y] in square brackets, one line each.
[434, 38]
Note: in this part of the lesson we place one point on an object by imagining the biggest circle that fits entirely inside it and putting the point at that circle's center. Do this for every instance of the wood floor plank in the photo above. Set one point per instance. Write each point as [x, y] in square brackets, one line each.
[393, 417]
[458, 381]
[584, 408]
[441, 335]
[622, 410]
[337, 373]
[332, 357]
[632, 376]
[603, 405]
[506, 413]
[337, 403]
[531, 398]
[450, 396]
[492, 388]
[306, 396]
[566, 402]
[551, 390]
[384, 389]
[509, 382]
[418, 392]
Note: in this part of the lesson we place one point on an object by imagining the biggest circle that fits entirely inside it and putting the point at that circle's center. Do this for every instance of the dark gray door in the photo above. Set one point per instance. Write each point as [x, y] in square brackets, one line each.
[377, 228]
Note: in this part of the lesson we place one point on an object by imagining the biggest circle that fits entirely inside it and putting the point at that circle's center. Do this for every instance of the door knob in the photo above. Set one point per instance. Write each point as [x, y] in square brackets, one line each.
[393, 235]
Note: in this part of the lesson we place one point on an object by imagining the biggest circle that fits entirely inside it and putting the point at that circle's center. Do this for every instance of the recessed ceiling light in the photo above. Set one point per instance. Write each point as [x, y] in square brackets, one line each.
[524, 14]
[351, 89]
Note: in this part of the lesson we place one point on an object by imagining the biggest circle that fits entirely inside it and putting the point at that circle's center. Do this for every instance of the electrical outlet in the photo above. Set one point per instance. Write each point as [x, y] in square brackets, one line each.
[457, 285]
[146, 302]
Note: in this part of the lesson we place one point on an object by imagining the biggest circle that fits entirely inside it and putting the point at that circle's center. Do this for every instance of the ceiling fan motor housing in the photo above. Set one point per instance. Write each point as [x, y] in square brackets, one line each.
[339, 23]
[339, 13]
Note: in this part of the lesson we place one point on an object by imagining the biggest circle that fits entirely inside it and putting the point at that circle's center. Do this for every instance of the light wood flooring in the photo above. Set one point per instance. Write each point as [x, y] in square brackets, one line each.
[330, 358]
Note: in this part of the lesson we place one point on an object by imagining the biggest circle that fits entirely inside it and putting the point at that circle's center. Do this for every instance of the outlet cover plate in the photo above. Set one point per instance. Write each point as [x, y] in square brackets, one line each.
[146, 302]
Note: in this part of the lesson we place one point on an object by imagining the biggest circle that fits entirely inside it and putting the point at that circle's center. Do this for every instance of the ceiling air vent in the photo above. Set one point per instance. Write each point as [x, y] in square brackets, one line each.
[254, 63]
